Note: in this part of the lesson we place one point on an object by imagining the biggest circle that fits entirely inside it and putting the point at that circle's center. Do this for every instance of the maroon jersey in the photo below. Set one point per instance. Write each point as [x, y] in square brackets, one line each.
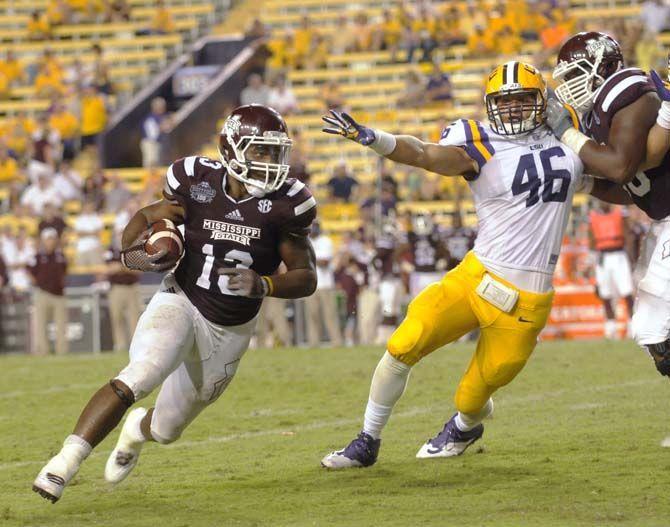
[426, 251]
[384, 259]
[223, 232]
[649, 190]
[459, 240]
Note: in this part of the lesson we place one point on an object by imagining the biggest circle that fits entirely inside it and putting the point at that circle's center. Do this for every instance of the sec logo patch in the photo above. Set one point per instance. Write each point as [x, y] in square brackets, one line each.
[264, 206]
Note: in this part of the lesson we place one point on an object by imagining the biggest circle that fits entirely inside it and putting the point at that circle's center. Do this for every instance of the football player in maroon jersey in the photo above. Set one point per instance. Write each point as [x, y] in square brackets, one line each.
[242, 218]
[619, 107]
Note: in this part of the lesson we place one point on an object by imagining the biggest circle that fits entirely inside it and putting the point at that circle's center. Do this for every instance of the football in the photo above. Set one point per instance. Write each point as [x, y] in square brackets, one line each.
[165, 235]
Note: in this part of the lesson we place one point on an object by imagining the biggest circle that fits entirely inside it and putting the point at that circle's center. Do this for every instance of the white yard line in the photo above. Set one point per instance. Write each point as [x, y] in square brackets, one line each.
[316, 425]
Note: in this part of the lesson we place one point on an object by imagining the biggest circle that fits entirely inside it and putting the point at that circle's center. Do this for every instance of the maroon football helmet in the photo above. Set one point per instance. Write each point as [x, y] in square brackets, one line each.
[254, 147]
[584, 62]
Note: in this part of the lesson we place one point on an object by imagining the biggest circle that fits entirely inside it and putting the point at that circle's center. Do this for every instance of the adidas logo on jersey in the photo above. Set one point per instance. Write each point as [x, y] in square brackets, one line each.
[235, 215]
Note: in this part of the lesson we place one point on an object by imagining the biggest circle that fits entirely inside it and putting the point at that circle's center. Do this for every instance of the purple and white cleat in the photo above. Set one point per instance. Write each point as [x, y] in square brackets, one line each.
[361, 452]
[450, 441]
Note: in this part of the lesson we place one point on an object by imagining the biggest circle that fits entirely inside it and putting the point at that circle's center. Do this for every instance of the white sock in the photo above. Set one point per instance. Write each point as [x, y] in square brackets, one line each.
[610, 329]
[135, 429]
[75, 450]
[466, 422]
[388, 384]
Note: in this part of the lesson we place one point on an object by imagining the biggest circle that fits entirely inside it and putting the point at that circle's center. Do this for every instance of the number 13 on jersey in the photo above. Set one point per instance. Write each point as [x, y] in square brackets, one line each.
[241, 259]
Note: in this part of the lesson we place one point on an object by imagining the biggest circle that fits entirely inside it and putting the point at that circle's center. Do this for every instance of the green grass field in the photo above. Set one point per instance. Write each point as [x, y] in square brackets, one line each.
[574, 441]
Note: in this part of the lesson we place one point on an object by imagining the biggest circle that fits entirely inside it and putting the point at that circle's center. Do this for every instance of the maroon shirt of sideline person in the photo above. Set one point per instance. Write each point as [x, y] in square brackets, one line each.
[49, 271]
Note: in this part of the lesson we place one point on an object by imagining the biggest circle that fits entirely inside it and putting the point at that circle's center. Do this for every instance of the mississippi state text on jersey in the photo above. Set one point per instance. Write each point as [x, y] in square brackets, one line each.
[649, 190]
[223, 232]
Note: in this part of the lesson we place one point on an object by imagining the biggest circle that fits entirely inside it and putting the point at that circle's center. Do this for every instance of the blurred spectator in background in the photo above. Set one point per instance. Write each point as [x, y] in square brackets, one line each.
[66, 124]
[321, 51]
[508, 42]
[350, 278]
[331, 95]
[45, 149]
[256, 29]
[386, 200]
[48, 270]
[9, 169]
[116, 194]
[273, 325]
[116, 11]
[99, 71]
[655, 15]
[162, 22]
[281, 52]
[415, 90]
[124, 299]
[648, 54]
[298, 157]
[388, 34]
[273, 328]
[302, 42]
[12, 69]
[94, 189]
[345, 40]
[450, 30]
[122, 218]
[153, 131]
[19, 252]
[88, 225]
[40, 193]
[321, 307]
[342, 186]
[51, 219]
[38, 26]
[480, 43]
[438, 88]
[363, 33]
[282, 98]
[93, 116]
[58, 12]
[423, 35]
[458, 238]
[256, 91]
[67, 181]
[614, 278]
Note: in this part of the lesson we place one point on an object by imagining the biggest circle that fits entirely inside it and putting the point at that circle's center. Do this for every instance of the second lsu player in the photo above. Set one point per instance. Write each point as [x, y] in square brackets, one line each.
[522, 180]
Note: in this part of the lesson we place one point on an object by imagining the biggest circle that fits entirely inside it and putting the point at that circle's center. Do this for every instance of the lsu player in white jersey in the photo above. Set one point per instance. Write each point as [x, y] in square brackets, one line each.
[523, 181]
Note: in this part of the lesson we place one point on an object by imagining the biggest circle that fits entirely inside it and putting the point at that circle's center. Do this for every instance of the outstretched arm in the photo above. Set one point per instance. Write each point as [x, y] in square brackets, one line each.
[405, 149]
[624, 154]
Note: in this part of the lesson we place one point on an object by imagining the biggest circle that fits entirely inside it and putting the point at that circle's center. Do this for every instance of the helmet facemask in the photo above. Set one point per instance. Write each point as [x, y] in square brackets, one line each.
[579, 80]
[260, 162]
[516, 119]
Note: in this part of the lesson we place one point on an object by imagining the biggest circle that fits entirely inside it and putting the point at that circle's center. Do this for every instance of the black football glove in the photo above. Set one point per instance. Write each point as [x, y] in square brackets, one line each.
[343, 124]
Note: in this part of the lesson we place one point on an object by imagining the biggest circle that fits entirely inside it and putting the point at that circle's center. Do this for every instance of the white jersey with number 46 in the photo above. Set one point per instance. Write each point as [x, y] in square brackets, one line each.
[523, 196]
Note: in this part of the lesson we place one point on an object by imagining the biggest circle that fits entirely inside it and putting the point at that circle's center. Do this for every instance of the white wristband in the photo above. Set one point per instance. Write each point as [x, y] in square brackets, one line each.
[574, 139]
[384, 143]
[663, 119]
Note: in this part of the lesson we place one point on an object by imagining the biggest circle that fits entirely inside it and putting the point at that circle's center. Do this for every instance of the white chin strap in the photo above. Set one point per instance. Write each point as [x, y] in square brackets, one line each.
[254, 191]
[239, 171]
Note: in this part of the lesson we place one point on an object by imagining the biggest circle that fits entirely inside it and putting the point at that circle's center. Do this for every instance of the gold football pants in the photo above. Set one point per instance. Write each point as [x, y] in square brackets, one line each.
[446, 310]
